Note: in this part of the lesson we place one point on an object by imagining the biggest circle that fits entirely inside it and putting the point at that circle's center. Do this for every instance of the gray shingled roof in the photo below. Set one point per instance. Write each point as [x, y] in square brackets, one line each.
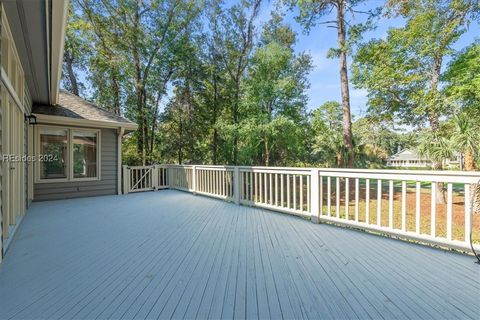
[72, 106]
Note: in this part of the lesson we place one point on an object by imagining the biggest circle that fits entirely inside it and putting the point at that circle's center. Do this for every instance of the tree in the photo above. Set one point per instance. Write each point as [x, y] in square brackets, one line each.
[214, 93]
[275, 92]
[312, 11]
[463, 78]
[182, 128]
[466, 137]
[76, 52]
[328, 145]
[402, 73]
[378, 138]
[463, 91]
[238, 26]
[437, 147]
[146, 37]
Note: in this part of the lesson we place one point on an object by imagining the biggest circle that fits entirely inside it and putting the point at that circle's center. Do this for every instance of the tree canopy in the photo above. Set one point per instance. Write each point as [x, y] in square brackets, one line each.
[214, 82]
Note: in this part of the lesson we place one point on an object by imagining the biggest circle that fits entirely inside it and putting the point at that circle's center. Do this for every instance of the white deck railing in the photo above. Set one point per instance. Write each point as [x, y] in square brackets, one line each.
[400, 203]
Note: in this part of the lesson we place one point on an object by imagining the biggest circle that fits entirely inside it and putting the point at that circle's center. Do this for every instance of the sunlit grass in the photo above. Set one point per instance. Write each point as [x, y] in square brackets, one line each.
[458, 211]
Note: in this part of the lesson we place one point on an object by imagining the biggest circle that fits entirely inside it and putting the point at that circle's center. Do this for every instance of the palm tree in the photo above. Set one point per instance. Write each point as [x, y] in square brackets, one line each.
[437, 149]
[465, 139]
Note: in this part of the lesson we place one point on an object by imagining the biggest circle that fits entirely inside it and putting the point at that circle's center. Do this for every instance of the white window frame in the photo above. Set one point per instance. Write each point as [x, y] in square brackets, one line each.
[70, 143]
[69, 170]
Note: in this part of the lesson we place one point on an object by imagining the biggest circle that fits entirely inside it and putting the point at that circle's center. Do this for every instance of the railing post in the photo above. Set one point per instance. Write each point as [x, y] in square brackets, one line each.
[126, 179]
[315, 196]
[170, 177]
[236, 185]
[155, 177]
[167, 176]
[194, 179]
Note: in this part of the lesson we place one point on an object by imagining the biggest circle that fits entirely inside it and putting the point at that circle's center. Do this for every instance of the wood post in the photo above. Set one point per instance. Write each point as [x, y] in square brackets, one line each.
[315, 196]
[236, 185]
[154, 173]
[194, 179]
[126, 180]
[170, 177]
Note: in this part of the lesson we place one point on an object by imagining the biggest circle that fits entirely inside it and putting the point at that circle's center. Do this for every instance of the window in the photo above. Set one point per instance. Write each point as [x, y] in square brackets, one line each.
[68, 154]
[53, 153]
[84, 154]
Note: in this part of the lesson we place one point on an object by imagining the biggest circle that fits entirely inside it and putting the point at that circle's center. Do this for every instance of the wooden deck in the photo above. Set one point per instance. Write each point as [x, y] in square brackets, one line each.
[170, 254]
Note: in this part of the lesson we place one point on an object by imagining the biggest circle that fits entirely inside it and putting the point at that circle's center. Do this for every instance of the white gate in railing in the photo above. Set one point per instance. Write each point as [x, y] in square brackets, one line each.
[400, 203]
[144, 178]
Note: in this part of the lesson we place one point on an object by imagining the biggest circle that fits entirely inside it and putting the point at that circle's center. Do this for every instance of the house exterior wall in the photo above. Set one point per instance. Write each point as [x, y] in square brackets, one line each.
[107, 185]
[15, 102]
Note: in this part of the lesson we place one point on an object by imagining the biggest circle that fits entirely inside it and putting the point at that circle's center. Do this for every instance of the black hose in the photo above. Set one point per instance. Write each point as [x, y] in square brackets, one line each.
[474, 196]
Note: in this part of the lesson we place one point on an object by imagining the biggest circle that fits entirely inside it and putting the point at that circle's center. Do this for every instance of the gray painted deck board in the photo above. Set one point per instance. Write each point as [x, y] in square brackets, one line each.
[170, 254]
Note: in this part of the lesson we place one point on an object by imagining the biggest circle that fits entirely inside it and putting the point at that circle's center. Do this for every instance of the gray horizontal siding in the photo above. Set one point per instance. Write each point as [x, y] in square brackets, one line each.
[77, 189]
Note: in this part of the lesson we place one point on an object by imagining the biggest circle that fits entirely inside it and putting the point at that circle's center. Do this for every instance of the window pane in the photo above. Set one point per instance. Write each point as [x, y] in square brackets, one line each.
[53, 149]
[84, 154]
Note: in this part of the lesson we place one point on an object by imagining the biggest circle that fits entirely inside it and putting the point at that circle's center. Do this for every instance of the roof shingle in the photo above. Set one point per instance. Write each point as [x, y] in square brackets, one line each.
[72, 106]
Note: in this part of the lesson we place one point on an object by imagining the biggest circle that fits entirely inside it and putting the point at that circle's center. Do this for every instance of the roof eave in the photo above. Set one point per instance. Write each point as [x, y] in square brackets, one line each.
[49, 119]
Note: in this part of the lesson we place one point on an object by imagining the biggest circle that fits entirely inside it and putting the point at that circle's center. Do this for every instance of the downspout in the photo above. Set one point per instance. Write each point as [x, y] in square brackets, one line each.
[121, 132]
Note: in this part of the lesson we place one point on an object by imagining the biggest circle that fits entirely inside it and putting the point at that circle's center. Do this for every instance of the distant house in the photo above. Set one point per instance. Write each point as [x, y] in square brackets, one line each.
[409, 158]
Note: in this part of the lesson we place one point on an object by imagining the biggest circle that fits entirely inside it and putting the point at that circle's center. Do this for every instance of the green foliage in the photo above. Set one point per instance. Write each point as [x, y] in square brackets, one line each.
[208, 83]
[435, 146]
[402, 72]
[463, 78]
[326, 125]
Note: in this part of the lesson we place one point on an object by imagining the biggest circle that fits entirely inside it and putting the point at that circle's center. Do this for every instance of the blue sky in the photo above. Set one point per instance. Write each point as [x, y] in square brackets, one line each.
[324, 78]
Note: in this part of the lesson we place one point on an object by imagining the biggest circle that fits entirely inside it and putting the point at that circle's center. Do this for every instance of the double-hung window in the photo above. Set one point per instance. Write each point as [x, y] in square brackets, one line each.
[68, 154]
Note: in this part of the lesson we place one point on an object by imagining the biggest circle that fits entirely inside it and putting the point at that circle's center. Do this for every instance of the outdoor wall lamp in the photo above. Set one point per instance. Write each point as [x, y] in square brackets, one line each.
[31, 119]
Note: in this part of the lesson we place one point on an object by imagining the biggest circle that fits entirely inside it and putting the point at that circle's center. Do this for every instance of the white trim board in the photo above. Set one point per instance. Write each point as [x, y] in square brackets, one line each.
[49, 119]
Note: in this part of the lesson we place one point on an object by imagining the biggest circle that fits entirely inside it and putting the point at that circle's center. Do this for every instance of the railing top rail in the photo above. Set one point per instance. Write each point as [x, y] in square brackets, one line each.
[201, 166]
[263, 168]
[409, 172]
[138, 167]
[402, 177]
[388, 174]
[475, 174]
[221, 168]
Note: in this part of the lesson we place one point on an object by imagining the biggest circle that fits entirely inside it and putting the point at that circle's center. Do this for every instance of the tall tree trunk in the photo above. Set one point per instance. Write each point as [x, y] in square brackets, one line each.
[154, 124]
[69, 60]
[440, 194]
[435, 123]
[267, 152]
[116, 94]
[437, 165]
[469, 161]
[339, 160]
[347, 117]
[214, 119]
[140, 89]
[474, 189]
[235, 119]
